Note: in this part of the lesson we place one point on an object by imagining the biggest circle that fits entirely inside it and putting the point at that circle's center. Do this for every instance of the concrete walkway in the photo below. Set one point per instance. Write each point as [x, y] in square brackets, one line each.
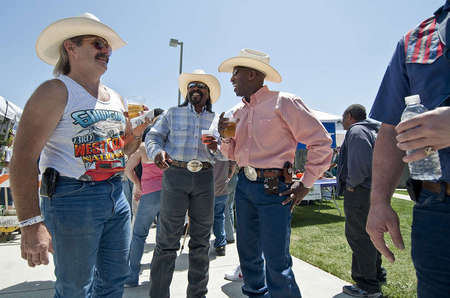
[17, 280]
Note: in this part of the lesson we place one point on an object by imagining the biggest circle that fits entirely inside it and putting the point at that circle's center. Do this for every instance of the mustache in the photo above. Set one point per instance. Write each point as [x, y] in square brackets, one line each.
[195, 91]
[102, 55]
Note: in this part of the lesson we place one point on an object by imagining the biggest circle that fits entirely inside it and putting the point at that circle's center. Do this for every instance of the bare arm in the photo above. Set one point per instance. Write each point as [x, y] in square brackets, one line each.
[386, 170]
[37, 123]
[133, 137]
[132, 162]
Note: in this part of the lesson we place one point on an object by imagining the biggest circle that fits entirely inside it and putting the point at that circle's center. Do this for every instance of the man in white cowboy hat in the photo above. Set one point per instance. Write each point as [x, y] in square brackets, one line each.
[175, 144]
[76, 127]
[270, 124]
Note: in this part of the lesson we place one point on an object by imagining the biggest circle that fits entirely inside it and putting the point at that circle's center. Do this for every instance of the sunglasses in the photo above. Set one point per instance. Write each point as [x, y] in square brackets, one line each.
[99, 43]
[198, 85]
[238, 68]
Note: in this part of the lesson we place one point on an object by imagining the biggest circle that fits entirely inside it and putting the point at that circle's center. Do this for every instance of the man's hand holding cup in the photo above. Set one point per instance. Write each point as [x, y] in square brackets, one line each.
[209, 140]
[227, 125]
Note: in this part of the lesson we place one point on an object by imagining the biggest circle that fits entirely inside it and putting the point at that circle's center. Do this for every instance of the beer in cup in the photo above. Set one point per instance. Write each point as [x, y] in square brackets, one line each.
[134, 110]
[230, 129]
[207, 133]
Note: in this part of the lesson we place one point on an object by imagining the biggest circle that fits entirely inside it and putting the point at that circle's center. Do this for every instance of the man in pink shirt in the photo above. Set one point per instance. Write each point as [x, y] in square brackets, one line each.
[269, 126]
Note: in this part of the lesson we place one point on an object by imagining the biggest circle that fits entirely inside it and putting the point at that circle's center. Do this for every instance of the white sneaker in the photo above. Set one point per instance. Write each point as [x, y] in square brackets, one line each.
[236, 275]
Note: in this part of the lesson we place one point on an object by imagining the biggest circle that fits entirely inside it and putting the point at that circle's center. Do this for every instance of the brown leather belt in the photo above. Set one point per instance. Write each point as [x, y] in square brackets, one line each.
[268, 173]
[183, 164]
[435, 187]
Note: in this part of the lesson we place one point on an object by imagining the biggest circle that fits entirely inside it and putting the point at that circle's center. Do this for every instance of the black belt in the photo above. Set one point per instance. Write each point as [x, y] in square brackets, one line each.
[268, 173]
[265, 173]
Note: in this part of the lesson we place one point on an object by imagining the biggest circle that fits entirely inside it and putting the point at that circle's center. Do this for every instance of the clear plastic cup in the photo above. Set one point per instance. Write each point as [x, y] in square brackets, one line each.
[207, 133]
[230, 130]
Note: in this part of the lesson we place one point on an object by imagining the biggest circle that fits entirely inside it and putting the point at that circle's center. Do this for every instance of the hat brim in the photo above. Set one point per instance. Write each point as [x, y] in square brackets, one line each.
[51, 38]
[213, 84]
[271, 73]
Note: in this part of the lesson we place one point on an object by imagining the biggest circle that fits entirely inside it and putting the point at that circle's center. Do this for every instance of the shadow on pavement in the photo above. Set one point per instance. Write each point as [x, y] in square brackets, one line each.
[34, 289]
[233, 289]
[148, 247]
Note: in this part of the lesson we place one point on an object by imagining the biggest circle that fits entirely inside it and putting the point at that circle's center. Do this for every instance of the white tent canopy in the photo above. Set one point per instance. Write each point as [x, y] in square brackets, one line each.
[323, 116]
[8, 109]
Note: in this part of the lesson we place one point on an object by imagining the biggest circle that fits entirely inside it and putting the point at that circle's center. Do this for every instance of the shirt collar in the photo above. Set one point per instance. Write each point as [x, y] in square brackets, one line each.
[258, 96]
[445, 7]
[191, 107]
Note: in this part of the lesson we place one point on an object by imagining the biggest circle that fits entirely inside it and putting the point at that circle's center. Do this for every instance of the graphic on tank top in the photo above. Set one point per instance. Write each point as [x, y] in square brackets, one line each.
[98, 142]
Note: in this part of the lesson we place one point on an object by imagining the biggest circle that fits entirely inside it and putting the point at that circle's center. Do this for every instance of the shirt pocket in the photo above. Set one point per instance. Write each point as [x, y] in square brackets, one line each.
[263, 133]
[179, 130]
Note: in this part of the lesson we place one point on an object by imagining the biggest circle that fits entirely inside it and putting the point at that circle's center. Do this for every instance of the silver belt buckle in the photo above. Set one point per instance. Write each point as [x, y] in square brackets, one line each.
[250, 173]
[194, 166]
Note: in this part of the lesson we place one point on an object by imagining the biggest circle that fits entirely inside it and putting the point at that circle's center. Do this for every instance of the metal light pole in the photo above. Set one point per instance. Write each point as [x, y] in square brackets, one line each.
[174, 43]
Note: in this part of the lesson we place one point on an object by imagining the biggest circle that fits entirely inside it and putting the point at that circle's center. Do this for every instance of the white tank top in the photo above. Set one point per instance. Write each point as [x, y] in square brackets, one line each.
[87, 143]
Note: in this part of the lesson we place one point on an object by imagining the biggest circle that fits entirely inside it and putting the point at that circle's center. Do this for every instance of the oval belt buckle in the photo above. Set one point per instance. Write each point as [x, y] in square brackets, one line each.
[194, 166]
[250, 173]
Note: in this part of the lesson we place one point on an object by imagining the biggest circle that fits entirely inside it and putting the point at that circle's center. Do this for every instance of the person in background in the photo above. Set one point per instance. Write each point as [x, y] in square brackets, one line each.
[270, 125]
[77, 127]
[147, 190]
[175, 144]
[229, 205]
[221, 169]
[420, 65]
[353, 179]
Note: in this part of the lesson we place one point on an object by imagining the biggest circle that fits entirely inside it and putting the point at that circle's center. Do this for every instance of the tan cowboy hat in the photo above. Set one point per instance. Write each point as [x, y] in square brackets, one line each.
[252, 59]
[51, 38]
[199, 75]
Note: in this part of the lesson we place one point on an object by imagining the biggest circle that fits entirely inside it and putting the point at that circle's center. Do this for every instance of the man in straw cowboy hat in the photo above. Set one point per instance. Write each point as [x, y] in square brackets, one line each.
[270, 124]
[420, 65]
[76, 126]
[175, 144]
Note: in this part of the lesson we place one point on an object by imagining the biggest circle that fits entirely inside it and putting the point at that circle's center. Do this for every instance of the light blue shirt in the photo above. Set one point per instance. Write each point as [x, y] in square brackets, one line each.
[178, 131]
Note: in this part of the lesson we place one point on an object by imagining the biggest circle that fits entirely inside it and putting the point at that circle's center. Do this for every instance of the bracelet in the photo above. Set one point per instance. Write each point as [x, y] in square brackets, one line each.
[225, 140]
[31, 221]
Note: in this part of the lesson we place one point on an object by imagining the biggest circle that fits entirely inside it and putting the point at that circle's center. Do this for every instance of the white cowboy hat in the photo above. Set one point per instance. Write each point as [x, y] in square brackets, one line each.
[51, 38]
[199, 75]
[252, 59]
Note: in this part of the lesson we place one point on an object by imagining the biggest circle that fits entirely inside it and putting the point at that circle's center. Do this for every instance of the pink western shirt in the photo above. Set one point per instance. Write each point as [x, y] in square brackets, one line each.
[269, 128]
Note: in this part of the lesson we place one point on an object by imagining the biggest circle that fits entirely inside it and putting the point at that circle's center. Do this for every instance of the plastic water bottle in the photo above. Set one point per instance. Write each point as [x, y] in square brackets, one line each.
[428, 168]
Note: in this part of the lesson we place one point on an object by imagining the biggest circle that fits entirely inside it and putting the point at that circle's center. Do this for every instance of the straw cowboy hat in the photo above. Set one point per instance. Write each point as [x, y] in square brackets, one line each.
[252, 59]
[199, 75]
[51, 38]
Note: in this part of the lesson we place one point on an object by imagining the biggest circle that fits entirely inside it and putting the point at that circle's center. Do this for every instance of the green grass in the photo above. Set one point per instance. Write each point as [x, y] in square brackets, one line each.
[318, 238]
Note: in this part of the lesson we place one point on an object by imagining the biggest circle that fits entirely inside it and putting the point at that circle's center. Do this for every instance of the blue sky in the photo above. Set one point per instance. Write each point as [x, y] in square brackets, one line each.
[330, 53]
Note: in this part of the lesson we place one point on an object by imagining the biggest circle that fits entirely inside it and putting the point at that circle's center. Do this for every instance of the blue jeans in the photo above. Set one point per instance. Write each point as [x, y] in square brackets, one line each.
[127, 186]
[263, 227]
[430, 244]
[219, 221]
[90, 227]
[229, 209]
[147, 211]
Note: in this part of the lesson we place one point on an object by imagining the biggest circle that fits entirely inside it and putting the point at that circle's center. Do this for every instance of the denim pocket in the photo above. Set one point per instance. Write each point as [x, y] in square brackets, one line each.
[428, 199]
[69, 188]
